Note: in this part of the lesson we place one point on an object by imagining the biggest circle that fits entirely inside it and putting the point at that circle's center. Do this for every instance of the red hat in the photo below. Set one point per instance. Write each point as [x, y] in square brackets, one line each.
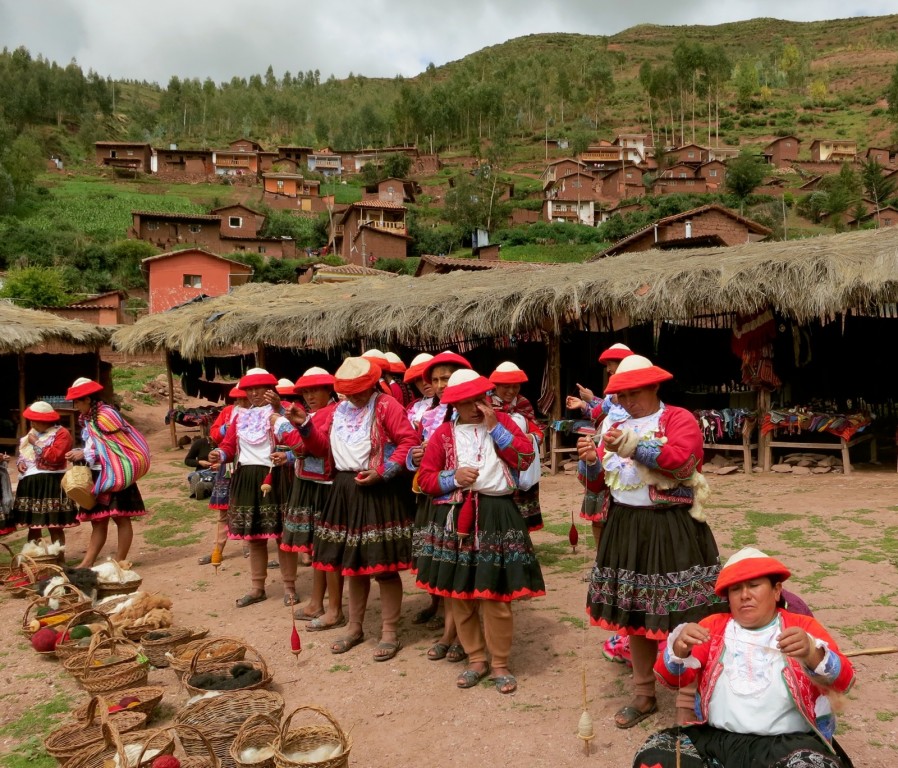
[508, 373]
[615, 352]
[284, 387]
[416, 369]
[314, 377]
[236, 392]
[444, 358]
[355, 375]
[257, 377]
[396, 364]
[379, 358]
[82, 388]
[748, 563]
[636, 371]
[465, 385]
[40, 411]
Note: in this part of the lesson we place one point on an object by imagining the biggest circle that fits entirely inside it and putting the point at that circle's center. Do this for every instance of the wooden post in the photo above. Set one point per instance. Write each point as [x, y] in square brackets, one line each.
[22, 403]
[553, 343]
[764, 449]
[260, 356]
[171, 400]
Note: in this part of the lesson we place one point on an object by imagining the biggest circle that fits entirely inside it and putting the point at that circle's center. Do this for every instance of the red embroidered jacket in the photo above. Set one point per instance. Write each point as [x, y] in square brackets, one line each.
[804, 685]
[437, 474]
[392, 437]
[306, 466]
[220, 425]
[524, 407]
[679, 457]
[52, 457]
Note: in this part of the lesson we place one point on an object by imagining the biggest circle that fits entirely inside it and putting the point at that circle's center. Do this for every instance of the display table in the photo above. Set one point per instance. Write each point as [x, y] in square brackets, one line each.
[728, 429]
[558, 431]
[843, 433]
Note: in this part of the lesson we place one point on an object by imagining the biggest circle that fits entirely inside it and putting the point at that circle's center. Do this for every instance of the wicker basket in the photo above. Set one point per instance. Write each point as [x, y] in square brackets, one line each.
[220, 649]
[128, 673]
[114, 743]
[71, 601]
[104, 647]
[258, 731]
[67, 740]
[224, 666]
[65, 649]
[220, 719]
[156, 649]
[149, 696]
[112, 590]
[208, 760]
[309, 737]
[22, 573]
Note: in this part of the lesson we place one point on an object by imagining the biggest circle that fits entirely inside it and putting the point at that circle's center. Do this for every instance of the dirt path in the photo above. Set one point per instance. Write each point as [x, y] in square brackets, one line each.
[839, 534]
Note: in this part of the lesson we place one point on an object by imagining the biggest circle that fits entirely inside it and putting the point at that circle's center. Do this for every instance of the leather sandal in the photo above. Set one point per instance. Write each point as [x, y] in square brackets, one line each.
[437, 651]
[471, 677]
[388, 650]
[347, 643]
[505, 683]
[628, 716]
[456, 653]
[246, 600]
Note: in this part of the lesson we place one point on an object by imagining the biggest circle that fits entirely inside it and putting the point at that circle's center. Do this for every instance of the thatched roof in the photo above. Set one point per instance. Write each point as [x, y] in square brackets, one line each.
[800, 278]
[21, 329]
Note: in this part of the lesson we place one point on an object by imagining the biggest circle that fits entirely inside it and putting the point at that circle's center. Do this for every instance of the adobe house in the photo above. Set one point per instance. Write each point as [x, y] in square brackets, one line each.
[679, 186]
[371, 230]
[707, 225]
[102, 309]
[679, 171]
[245, 145]
[394, 190]
[236, 162]
[442, 265]
[166, 230]
[124, 155]
[325, 273]
[882, 156]
[620, 183]
[184, 162]
[560, 168]
[782, 152]
[833, 151]
[884, 217]
[326, 162]
[179, 276]
[292, 192]
[714, 172]
[617, 210]
[571, 198]
[299, 155]
[688, 153]
[239, 220]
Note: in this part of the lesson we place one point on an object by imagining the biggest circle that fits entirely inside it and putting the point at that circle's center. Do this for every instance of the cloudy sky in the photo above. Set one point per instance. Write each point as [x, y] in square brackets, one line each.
[222, 38]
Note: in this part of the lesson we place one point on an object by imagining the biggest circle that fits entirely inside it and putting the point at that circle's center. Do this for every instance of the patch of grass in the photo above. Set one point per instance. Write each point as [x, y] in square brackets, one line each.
[39, 719]
[172, 522]
[574, 621]
[339, 668]
[32, 676]
[886, 716]
[813, 581]
[869, 627]
[558, 556]
[133, 378]
[767, 519]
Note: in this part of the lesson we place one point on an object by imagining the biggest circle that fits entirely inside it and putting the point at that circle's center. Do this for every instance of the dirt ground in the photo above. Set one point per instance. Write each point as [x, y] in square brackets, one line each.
[839, 534]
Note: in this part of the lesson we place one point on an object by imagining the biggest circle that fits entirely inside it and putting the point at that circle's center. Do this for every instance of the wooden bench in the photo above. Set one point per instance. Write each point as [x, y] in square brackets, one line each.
[841, 444]
[745, 446]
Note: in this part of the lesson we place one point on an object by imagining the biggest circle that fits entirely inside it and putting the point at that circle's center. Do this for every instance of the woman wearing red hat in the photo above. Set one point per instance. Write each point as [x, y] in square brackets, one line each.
[655, 536]
[256, 502]
[308, 498]
[218, 500]
[414, 376]
[763, 677]
[471, 464]
[430, 519]
[366, 528]
[507, 398]
[40, 501]
[118, 456]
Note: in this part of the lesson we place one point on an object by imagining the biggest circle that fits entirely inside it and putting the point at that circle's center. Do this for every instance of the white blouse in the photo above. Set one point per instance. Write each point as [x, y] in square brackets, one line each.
[474, 447]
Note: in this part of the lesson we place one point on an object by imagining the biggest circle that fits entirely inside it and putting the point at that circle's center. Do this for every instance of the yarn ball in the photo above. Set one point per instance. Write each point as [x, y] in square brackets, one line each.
[45, 640]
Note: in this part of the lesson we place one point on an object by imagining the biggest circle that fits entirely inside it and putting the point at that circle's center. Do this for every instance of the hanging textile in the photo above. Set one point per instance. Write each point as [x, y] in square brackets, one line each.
[753, 337]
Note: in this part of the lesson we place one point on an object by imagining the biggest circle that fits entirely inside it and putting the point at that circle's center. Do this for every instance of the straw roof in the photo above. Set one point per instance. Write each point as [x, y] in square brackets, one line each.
[21, 329]
[801, 278]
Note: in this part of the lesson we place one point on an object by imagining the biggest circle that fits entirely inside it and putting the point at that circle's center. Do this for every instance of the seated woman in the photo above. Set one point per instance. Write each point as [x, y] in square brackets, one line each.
[763, 702]
[202, 478]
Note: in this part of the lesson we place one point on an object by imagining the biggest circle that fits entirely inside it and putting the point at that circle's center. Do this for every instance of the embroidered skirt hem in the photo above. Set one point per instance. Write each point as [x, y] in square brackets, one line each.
[252, 516]
[126, 503]
[41, 502]
[306, 505]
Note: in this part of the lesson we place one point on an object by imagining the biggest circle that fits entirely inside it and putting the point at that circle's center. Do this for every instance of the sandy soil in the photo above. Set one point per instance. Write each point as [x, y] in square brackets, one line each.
[839, 534]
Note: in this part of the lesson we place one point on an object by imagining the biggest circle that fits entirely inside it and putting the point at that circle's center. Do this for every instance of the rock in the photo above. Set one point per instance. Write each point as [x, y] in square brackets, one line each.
[821, 470]
[792, 459]
[781, 468]
[801, 470]
[804, 463]
[757, 469]
[827, 461]
[719, 460]
[727, 470]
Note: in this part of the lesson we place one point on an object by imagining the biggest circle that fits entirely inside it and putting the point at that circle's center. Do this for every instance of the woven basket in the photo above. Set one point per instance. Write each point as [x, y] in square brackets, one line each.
[20, 575]
[71, 601]
[217, 650]
[209, 760]
[308, 737]
[257, 732]
[115, 742]
[65, 649]
[104, 647]
[131, 673]
[220, 719]
[78, 483]
[149, 696]
[111, 590]
[155, 650]
[65, 742]
[224, 666]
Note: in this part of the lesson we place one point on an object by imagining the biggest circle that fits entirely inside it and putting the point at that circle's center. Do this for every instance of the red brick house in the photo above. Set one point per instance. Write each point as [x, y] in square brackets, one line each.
[193, 163]
[292, 192]
[299, 155]
[103, 309]
[688, 153]
[679, 171]
[371, 230]
[620, 183]
[124, 155]
[782, 152]
[394, 190]
[708, 225]
[882, 156]
[560, 168]
[240, 159]
[884, 217]
[679, 186]
[714, 173]
[179, 276]
[326, 162]
[571, 198]
[239, 220]
[833, 151]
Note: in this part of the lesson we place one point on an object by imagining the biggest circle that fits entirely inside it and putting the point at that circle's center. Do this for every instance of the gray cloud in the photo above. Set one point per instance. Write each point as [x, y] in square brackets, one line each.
[224, 38]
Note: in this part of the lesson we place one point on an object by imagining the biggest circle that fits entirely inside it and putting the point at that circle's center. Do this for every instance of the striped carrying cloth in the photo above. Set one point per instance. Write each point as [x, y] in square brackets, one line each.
[122, 451]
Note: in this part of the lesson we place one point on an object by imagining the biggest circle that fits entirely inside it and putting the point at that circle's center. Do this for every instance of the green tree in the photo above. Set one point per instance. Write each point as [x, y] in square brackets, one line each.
[747, 83]
[744, 173]
[843, 191]
[879, 188]
[36, 287]
[397, 165]
[892, 98]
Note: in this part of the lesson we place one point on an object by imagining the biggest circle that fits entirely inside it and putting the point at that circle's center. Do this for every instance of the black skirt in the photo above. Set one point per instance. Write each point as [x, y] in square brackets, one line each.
[495, 562]
[126, 503]
[221, 488]
[306, 505]
[250, 514]
[703, 747]
[655, 568]
[529, 507]
[365, 530]
[41, 502]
